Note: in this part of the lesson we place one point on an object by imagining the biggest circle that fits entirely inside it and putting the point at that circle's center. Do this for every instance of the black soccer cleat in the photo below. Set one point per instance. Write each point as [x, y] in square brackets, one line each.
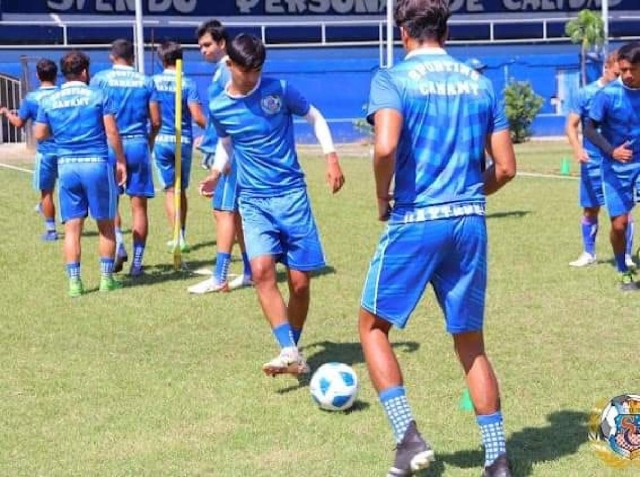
[499, 468]
[412, 454]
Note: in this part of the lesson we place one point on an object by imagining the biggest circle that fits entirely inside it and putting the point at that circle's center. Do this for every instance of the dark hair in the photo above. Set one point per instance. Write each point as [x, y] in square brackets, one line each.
[169, 52]
[423, 19]
[215, 29]
[630, 52]
[47, 70]
[247, 51]
[73, 64]
[122, 49]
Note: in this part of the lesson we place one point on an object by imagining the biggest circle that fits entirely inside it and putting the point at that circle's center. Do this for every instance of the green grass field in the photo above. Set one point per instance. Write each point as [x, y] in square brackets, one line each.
[153, 381]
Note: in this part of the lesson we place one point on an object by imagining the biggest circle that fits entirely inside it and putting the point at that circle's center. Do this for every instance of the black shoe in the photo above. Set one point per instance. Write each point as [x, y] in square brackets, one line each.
[119, 262]
[499, 468]
[412, 454]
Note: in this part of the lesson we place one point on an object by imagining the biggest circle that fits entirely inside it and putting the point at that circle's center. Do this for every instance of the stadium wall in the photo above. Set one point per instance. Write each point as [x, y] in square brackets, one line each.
[336, 80]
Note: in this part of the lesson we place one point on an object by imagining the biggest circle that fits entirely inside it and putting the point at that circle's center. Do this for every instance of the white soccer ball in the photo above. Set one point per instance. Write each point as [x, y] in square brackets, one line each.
[334, 386]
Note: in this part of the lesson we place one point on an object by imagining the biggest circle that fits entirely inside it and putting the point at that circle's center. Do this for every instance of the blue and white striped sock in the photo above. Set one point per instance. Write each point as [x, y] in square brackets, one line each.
[73, 270]
[106, 267]
[50, 225]
[492, 429]
[138, 253]
[395, 404]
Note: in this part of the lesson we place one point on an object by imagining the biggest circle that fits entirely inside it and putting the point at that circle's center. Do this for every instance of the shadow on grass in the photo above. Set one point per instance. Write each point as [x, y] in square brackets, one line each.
[163, 272]
[565, 432]
[509, 213]
[322, 352]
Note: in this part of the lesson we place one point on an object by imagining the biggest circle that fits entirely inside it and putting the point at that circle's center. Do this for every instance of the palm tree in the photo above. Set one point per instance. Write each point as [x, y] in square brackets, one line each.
[588, 30]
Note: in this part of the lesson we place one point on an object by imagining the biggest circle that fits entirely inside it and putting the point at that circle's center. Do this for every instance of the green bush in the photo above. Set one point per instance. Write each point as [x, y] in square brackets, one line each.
[522, 104]
[363, 126]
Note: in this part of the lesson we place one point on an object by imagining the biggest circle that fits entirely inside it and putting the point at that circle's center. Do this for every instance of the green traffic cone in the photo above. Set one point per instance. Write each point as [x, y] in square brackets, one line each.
[465, 401]
[565, 167]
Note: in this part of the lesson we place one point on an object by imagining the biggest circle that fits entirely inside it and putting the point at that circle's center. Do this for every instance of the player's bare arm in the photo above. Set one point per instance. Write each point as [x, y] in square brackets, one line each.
[12, 117]
[155, 121]
[503, 168]
[387, 126]
[571, 131]
[335, 177]
[620, 153]
[198, 116]
[115, 141]
[41, 131]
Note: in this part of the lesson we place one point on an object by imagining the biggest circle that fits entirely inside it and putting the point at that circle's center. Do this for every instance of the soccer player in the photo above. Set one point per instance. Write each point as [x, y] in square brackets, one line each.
[615, 112]
[81, 120]
[433, 117]
[165, 145]
[253, 118]
[45, 173]
[590, 159]
[212, 40]
[133, 96]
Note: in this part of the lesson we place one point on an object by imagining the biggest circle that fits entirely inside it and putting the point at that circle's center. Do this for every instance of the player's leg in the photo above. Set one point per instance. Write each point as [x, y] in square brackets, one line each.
[164, 161]
[44, 181]
[121, 251]
[231, 203]
[102, 193]
[397, 277]
[73, 210]
[460, 285]
[591, 198]
[187, 155]
[628, 253]
[299, 297]
[246, 264]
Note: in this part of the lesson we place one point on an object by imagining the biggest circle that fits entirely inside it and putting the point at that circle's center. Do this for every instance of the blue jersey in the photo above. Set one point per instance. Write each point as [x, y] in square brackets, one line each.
[29, 111]
[75, 115]
[580, 106]
[260, 125]
[220, 78]
[448, 110]
[165, 84]
[616, 107]
[130, 93]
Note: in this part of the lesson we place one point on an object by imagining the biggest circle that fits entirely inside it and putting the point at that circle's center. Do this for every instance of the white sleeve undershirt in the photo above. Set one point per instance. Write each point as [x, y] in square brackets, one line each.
[321, 130]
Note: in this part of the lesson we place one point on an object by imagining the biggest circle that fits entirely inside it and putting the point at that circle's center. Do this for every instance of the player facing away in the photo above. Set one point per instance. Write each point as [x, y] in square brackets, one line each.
[165, 145]
[613, 127]
[212, 40]
[590, 159]
[133, 96]
[433, 118]
[45, 173]
[81, 120]
[253, 118]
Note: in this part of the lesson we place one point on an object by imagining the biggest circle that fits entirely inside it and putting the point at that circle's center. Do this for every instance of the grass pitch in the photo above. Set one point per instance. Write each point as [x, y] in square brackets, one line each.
[153, 381]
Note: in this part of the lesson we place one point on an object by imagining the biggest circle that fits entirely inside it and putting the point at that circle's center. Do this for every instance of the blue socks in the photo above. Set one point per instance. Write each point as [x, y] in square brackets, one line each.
[284, 336]
[493, 439]
[50, 225]
[589, 231]
[246, 264]
[138, 253]
[296, 335]
[221, 269]
[395, 404]
[119, 238]
[73, 270]
[630, 230]
[621, 262]
[106, 267]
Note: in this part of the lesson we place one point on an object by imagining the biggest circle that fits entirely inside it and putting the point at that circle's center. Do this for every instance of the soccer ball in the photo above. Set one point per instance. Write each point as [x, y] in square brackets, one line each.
[609, 424]
[334, 386]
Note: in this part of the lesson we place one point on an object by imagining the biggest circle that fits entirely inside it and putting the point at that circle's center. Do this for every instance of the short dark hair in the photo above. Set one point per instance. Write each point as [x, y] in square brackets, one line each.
[73, 64]
[630, 52]
[423, 19]
[122, 49]
[47, 70]
[215, 29]
[247, 51]
[169, 52]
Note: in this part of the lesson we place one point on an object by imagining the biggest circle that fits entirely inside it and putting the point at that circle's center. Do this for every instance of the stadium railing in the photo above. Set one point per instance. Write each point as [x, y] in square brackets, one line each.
[10, 97]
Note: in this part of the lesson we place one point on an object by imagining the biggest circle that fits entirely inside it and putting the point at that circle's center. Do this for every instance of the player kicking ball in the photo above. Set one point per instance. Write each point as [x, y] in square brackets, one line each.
[253, 118]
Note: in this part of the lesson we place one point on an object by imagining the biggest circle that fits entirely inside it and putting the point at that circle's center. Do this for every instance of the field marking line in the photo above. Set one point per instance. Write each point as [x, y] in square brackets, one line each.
[15, 168]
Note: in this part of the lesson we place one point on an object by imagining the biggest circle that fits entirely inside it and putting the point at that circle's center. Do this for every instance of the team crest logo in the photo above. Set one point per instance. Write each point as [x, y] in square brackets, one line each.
[614, 431]
[271, 104]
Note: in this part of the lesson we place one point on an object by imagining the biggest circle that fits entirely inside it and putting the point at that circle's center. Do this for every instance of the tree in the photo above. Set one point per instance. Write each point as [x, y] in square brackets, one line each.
[522, 105]
[587, 29]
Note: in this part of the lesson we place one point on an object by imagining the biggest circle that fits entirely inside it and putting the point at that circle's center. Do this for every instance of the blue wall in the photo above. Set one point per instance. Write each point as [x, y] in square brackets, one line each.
[337, 80]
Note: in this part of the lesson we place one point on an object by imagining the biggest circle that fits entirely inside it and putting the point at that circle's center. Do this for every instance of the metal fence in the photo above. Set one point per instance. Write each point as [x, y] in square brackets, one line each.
[10, 97]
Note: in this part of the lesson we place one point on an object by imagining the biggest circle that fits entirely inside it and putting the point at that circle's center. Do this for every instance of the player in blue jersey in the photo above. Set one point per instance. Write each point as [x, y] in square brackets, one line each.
[212, 40]
[433, 117]
[253, 118]
[45, 173]
[590, 159]
[613, 127]
[165, 145]
[81, 120]
[133, 96]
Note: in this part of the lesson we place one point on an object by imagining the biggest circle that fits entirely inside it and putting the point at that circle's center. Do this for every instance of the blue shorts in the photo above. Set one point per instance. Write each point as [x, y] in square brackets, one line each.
[87, 187]
[164, 154]
[225, 197]
[591, 191]
[139, 173]
[451, 254]
[283, 227]
[620, 182]
[46, 172]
